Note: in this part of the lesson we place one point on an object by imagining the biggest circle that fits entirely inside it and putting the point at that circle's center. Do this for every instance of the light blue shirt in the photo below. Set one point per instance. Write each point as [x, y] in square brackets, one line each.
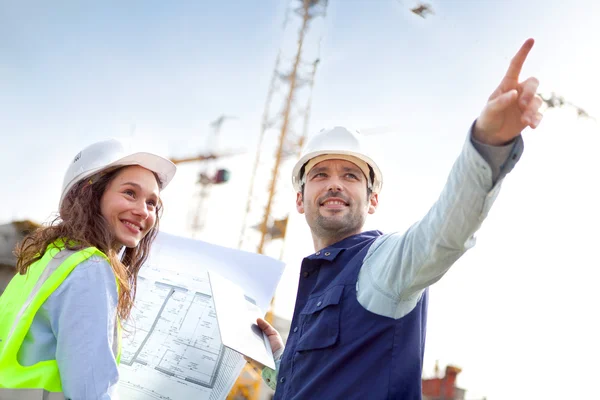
[75, 326]
[400, 265]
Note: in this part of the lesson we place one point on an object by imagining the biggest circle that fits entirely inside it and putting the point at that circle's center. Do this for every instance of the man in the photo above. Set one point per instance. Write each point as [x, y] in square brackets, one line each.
[358, 329]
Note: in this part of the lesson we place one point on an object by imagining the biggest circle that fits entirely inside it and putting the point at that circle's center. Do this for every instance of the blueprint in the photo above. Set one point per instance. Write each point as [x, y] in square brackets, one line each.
[171, 347]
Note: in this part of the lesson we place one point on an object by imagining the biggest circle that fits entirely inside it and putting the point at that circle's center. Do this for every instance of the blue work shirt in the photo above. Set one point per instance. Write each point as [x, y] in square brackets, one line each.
[324, 357]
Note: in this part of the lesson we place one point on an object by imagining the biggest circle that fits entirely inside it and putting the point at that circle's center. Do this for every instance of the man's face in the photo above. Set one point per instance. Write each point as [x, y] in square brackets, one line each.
[335, 200]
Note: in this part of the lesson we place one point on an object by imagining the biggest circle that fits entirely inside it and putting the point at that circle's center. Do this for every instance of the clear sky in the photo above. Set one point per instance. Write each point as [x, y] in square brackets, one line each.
[518, 313]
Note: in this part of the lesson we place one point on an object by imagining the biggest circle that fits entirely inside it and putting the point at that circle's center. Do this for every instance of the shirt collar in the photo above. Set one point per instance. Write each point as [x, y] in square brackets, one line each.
[331, 252]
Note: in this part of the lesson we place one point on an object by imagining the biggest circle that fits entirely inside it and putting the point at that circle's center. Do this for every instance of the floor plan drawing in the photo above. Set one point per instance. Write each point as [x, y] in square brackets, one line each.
[175, 330]
[173, 334]
[171, 346]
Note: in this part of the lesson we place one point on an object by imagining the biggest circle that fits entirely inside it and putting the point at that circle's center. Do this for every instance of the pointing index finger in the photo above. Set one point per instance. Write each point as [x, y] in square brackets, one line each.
[514, 69]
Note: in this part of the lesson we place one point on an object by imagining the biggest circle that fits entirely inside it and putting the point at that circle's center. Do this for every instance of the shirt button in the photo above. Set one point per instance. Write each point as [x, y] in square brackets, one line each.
[317, 253]
[305, 274]
[282, 379]
[295, 329]
[328, 254]
[319, 304]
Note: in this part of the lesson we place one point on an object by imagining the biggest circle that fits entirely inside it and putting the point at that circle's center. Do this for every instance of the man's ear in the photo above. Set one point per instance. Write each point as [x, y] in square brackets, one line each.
[373, 202]
[299, 203]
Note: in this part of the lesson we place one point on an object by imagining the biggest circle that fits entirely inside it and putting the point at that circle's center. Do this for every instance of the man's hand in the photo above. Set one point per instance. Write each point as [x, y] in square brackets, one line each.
[274, 340]
[512, 107]
[273, 335]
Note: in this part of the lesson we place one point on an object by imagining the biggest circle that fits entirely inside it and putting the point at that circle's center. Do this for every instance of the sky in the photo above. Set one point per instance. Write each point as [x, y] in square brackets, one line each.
[518, 313]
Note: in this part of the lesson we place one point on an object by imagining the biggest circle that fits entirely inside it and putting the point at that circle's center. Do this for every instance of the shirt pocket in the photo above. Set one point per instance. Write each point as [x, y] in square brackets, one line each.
[321, 320]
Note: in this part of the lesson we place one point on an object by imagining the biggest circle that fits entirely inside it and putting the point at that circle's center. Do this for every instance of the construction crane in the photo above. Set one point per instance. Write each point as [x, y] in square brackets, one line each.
[556, 101]
[208, 174]
[283, 131]
[422, 10]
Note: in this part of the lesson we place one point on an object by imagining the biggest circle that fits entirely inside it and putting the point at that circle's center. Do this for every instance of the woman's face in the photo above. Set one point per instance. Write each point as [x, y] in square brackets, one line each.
[129, 205]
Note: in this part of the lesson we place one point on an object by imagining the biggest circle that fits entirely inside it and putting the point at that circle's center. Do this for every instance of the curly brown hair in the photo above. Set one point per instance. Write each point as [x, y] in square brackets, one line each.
[80, 220]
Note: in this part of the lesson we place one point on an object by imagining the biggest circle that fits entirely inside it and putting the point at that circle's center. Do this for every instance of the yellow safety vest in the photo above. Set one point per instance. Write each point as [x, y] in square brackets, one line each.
[19, 303]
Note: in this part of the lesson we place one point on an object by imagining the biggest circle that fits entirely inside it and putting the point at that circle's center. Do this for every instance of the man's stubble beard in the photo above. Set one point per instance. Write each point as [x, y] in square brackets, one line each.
[332, 229]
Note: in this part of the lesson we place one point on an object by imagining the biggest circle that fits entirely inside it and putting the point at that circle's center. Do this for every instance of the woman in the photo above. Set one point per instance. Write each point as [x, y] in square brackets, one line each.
[60, 316]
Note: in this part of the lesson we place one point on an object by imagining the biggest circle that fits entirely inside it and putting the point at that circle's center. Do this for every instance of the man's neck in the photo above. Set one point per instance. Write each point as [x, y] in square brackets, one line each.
[321, 242]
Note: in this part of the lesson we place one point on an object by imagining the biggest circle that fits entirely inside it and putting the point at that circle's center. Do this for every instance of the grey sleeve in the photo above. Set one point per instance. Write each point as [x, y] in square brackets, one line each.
[501, 159]
[82, 313]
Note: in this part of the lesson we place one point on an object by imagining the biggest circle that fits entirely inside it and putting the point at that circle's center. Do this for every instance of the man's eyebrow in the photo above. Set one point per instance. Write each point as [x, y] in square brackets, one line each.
[316, 170]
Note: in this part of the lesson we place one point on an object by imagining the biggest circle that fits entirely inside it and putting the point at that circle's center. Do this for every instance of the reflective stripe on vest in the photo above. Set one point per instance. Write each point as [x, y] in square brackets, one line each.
[30, 394]
[52, 266]
[19, 303]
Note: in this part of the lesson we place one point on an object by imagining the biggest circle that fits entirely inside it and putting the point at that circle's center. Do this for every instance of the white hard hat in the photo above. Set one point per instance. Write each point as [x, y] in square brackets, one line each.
[337, 143]
[113, 153]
